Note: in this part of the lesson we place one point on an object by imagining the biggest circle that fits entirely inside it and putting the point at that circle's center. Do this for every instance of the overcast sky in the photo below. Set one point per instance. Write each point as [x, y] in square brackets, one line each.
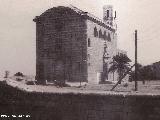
[18, 35]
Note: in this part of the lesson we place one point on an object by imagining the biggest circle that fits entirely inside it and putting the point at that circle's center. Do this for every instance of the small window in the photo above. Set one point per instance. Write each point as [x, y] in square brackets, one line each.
[89, 42]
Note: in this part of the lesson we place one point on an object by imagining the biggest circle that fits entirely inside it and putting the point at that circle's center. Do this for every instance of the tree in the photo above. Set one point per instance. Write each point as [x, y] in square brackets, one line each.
[148, 73]
[19, 74]
[140, 74]
[120, 64]
[144, 73]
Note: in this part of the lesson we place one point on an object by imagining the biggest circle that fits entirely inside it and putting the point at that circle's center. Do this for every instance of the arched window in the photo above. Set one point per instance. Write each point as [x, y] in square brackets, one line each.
[100, 34]
[95, 32]
[104, 36]
[107, 13]
[109, 37]
[89, 42]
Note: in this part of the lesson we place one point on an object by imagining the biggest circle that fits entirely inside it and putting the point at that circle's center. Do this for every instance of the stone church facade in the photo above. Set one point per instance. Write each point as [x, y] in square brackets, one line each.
[73, 45]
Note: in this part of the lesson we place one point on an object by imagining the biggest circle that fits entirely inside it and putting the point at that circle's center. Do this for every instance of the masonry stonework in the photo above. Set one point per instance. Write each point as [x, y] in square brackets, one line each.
[70, 45]
[96, 50]
[61, 45]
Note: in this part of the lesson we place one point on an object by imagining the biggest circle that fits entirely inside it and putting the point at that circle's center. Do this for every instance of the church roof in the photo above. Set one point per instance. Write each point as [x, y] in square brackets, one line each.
[87, 15]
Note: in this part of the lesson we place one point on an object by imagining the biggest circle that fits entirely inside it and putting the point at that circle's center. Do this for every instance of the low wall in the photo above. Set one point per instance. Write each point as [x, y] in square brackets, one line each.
[71, 106]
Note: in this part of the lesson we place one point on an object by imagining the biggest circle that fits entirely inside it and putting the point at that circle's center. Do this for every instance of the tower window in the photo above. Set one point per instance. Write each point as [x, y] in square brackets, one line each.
[107, 13]
[89, 42]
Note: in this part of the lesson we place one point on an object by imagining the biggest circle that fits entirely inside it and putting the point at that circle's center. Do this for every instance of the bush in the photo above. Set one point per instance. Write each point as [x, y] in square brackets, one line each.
[19, 74]
[30, 83]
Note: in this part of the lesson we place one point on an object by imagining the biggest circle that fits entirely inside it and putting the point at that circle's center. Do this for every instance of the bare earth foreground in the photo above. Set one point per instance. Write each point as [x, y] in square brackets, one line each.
[149, 88]
[89, 102]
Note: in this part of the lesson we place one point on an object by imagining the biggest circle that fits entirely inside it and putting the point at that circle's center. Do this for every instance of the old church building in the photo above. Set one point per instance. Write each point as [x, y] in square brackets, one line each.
[73, 45]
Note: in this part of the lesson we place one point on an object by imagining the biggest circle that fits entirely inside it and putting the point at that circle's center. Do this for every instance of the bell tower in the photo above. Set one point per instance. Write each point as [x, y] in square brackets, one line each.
[108, 17]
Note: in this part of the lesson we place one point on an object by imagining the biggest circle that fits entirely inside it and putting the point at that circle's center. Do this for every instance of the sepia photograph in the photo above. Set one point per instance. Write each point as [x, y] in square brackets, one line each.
[79, 60]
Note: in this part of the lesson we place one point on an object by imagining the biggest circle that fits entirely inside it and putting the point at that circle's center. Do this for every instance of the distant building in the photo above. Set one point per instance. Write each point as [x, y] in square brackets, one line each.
[74, 45]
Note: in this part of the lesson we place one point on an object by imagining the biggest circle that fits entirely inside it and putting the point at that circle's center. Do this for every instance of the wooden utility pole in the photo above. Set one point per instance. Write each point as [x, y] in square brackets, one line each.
[136, 77]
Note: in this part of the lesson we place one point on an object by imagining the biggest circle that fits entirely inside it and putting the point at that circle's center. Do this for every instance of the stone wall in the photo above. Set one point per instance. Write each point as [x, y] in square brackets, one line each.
[96, 50]
[62, 37]
[61, 46]
[78, 106]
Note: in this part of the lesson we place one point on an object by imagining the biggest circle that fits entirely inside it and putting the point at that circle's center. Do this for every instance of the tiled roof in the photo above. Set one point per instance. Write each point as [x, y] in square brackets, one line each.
[82, 13]
[91, 17]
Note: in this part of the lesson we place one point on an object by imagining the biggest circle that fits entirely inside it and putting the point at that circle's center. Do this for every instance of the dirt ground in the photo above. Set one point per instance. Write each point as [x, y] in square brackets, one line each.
[150, 87]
